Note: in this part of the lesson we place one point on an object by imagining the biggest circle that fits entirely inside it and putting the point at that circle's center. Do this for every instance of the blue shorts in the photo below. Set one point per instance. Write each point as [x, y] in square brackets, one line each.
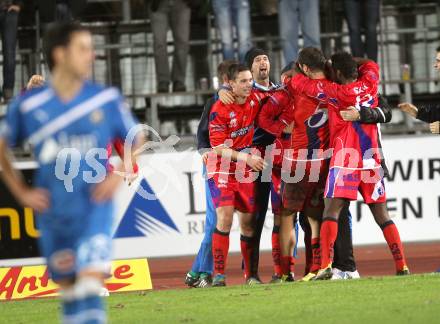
[72, 245]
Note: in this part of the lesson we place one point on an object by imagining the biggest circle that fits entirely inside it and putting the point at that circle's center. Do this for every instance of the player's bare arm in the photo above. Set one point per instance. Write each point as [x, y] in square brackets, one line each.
[408, 108]
[35, 198]
[351, 114]
[226, 96]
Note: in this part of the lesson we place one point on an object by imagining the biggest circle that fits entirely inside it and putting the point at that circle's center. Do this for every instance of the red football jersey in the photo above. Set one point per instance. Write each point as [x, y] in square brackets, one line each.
[233, 126]
[355, 145]
[310, 137]
[275, 115]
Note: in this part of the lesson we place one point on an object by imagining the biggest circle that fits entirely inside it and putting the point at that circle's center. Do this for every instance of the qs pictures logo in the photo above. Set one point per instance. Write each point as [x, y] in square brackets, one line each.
[27, 222]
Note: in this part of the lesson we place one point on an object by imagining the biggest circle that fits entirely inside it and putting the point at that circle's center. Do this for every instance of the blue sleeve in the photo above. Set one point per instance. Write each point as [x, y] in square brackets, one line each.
[122, 118]
[11, 127]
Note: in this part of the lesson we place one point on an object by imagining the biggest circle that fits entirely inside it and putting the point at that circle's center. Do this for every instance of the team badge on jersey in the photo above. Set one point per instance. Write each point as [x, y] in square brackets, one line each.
[233, 122]
[96, 116]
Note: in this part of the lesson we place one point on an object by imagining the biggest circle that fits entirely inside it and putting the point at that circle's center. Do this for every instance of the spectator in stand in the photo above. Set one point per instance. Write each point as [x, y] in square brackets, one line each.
[230, 14]
[177, 15]
[290, 14]
[9, 10]
[367, 11]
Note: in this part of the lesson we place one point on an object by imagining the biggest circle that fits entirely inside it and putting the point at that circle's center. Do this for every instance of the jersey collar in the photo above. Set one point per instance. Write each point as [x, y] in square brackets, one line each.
[272, 86]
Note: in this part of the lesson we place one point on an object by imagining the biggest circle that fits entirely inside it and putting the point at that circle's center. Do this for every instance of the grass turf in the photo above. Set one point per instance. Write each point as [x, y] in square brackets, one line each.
[412, 299]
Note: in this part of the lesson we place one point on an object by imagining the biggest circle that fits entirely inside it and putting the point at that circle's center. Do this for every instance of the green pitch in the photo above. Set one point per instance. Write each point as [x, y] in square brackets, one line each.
[413, 299]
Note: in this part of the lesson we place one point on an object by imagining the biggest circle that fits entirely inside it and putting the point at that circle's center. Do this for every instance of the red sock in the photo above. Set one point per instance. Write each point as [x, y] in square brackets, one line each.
[276, 252]
[391, 234]
[308, 247]
[329, 232]
[246, 244]
[316, 252]
[287, 264]
[220, 249]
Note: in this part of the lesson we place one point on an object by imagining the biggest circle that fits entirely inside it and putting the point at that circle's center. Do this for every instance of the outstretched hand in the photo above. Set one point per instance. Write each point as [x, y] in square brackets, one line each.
[408, 108]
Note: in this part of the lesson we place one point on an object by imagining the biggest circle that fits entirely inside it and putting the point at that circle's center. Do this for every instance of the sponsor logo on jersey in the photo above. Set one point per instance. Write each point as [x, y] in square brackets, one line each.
[242, 131]
[96, 116]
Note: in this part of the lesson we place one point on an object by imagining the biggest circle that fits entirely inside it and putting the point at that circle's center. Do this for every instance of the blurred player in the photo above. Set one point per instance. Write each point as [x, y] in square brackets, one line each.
[69, 122]
[37, 81]
[356, 161]
[231, 127]
[200, 275]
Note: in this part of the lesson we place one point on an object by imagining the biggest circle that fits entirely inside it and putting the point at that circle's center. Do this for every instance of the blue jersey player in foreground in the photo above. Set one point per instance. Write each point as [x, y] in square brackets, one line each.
[69, 122]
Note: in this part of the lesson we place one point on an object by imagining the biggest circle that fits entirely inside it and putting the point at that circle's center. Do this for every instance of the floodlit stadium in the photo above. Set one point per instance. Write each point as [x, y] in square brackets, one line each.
[190, 161]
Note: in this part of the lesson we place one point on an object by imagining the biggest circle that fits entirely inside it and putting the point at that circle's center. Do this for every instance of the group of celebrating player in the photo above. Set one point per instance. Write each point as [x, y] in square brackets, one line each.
[312, 143]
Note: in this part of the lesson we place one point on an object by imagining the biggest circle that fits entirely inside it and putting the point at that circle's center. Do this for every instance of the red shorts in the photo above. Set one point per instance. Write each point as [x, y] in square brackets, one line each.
[345, 183]
[275, 191]
[306, 189]
[233, 193]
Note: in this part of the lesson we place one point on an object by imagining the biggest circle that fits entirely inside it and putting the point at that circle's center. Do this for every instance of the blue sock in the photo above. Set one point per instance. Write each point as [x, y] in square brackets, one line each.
[91, 311]
[295, 249]
[70, 310]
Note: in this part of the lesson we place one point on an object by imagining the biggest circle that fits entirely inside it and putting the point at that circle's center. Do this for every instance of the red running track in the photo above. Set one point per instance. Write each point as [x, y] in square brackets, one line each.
[372, 260]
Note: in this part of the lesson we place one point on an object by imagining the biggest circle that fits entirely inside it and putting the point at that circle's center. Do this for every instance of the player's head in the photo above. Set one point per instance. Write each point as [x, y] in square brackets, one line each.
[258, 62]
[240, 79]
[222, 70]
[437, 59]
[311, 60]
[345, 67]
[69, 47]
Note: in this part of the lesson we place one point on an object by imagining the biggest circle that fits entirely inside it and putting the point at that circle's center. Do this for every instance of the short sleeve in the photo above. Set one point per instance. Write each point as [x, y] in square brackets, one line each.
[218, 126]
[123, 119]
[11, 127]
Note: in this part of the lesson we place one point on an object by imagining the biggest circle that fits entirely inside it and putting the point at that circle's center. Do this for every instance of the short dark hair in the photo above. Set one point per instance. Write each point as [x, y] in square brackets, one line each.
[223, 68]
[288, 67]
[59, 35]
[344, 63]
[438, 49]
[313, 57]
[235, 69]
